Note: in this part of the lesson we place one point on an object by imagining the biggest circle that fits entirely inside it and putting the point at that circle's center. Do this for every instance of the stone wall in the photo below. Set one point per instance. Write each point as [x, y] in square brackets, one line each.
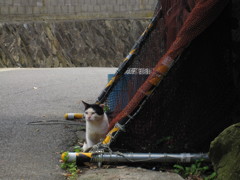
[85, 8]
[66, 33]
[68, 43]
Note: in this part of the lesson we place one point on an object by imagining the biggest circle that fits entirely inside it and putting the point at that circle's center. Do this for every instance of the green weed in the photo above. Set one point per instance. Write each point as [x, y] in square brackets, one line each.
[77, 149]
[196, 169]
[72, 171]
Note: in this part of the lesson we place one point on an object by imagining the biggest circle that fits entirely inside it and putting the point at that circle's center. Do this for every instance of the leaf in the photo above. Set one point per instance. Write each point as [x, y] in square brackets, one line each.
[178, 167]
[211, 177]
[66, 157]
[78, 171]
[205, 168]
[63, 166]
[187, 171]
[67, 174]
[193, 167]
[178, 171]
[77, 149]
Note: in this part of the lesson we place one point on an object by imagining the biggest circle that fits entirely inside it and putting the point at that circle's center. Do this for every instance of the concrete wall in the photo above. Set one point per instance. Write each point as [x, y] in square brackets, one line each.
[115, 8]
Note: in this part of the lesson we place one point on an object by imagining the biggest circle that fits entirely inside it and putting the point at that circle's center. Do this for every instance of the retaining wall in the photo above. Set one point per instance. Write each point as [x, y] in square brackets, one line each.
[81, 43]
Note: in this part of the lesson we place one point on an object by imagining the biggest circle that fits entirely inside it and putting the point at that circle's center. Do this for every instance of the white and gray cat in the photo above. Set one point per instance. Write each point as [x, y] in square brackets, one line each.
[96, 124]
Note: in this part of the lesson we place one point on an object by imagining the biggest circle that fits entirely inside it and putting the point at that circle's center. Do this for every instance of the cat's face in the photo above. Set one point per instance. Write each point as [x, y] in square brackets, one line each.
[93, 112]
[91, 115]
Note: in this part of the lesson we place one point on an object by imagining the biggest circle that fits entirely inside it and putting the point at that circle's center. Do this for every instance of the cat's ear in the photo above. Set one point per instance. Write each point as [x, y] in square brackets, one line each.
[85, 104]
[101, 105]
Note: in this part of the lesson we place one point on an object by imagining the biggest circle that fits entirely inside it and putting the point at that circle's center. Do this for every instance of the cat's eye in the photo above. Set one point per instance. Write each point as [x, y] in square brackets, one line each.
[86, 112]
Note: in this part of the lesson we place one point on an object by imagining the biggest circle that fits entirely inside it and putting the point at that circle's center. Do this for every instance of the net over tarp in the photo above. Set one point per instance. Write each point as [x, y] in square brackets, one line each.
[173, 88]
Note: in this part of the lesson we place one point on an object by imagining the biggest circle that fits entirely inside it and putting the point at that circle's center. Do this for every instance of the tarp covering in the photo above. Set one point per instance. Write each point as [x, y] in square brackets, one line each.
[185, 107]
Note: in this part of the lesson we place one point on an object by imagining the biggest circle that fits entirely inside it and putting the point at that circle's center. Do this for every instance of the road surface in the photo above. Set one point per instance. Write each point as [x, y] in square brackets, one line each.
[31, 151]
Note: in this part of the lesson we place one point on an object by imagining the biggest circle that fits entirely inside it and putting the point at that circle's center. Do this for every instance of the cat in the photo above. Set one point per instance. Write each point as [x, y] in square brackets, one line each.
[96, 124]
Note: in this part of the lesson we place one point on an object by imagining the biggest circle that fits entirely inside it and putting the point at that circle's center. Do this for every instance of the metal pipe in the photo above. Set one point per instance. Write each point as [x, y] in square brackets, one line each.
[148, 157]
[134, 157]
[73, 116]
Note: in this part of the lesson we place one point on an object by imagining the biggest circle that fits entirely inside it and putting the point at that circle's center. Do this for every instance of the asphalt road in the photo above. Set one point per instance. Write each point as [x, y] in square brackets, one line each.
[30, 151]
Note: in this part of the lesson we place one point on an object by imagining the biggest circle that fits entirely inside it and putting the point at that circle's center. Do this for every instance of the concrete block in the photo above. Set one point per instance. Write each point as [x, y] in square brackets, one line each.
[97, 8]
[116, 8]
[153, 2]
[90, 8]
[103, 8]
[4, 10]
[149, 7]
[119, 2]
[78, 9]
[53, 3]
[50, 10]
[84, 8]
[25, 3]
[57, 10]
[111, 2]
[86, 2]
[29, 10]
[135, 7]
[80, 2]
[100, 2]
[125, 3]
[57, 2]
[43, 10]
[108, 2]
[16, 2]
[64, 9]
[32, 3]
[126, 7]
[13, 10]
[122, 8]
[75, 3]
[68, 2]
[109, 8]
[93, 2]
[133, 2]
[71, 10]
[39, 3]
[46, 3]
[36, 10]
[7, 2]
[21, 10]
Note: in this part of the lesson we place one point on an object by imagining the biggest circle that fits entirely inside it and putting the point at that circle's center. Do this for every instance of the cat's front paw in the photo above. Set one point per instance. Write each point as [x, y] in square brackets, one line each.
[85, 147]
